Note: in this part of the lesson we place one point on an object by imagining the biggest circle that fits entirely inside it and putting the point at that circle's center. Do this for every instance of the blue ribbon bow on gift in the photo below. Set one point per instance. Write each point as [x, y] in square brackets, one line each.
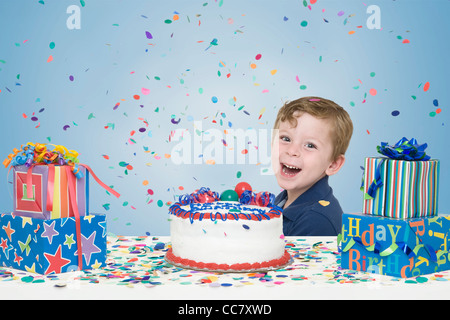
[402, 150]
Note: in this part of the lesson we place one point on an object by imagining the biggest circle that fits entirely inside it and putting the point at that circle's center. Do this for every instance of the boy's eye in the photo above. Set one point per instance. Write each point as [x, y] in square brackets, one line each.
[284, 138]
[310, 146]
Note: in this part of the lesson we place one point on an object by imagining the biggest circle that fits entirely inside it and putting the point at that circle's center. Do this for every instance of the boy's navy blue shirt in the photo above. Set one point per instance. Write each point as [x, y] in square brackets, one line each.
[307, 217]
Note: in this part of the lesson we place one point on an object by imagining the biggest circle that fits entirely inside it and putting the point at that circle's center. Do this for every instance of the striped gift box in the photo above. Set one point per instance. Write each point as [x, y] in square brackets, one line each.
[399, 188]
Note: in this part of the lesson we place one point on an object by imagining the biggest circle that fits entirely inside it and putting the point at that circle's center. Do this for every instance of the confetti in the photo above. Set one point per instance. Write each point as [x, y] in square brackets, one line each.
[324, 203]
[426, 86]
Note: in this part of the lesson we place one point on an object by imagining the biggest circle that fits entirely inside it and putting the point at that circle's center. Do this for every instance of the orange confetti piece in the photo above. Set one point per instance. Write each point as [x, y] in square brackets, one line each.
[50, 58]
[145, 182]
[253, 66]
[351, 32]
[373, 92]
[426, 86]
[273, 71]
[405, 41]
[324, 203]
[105, 156]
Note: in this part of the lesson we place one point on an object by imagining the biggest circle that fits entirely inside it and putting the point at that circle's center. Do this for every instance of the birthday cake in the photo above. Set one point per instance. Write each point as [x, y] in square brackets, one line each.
[238, 231]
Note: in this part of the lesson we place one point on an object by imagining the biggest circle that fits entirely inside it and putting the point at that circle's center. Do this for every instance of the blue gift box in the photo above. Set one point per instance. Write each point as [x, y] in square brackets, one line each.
[396, 247]
[50, 246]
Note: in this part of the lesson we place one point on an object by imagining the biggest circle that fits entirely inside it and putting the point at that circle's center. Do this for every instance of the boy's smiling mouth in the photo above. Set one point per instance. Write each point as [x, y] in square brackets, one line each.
[289, 170]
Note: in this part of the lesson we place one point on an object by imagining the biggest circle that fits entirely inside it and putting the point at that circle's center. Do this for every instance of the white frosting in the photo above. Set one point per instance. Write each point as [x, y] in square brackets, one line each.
[227, 241]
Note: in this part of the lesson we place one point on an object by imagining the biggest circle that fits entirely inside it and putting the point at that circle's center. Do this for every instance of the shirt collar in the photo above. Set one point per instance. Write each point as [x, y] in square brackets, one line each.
[317, 192]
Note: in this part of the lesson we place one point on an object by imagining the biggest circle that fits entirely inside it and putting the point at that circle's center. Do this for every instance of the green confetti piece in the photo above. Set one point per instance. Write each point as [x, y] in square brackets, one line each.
[421, 279]
[27, 279]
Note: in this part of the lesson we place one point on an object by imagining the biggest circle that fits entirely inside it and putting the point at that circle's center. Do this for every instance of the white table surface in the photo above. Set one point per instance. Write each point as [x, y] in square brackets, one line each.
[314, 274]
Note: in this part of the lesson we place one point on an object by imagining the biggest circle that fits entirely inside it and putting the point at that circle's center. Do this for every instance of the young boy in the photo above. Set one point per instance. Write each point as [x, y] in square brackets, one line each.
[314, 134]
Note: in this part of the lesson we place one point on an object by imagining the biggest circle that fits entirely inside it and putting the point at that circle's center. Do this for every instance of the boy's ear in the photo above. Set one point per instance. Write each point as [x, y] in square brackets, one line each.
[336, 165]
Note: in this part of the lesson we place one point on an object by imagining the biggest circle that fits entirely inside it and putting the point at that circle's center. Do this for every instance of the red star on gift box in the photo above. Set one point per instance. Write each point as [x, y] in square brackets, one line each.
[17, 259]
[56, 261]
[4, 244]
[8, 230]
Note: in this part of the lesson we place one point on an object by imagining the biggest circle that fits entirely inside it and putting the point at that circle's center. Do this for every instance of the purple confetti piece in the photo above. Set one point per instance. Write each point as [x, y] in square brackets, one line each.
[149, 35]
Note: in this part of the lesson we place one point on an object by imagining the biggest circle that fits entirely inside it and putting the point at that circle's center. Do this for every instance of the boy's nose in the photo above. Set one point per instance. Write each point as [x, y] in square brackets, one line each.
[293, 151]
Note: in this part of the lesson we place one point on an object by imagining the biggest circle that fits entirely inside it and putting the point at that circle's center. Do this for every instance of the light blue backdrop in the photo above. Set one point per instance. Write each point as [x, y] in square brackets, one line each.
[202, 70]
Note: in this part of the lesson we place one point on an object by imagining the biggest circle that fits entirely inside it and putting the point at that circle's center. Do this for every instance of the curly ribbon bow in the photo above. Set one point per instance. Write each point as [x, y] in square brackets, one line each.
[404, 150]
[38, 153]
[262, 199]
[203, 195]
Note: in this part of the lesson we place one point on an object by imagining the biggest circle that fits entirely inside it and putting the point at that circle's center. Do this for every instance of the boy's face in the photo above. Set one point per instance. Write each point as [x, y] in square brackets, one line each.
[304, 154]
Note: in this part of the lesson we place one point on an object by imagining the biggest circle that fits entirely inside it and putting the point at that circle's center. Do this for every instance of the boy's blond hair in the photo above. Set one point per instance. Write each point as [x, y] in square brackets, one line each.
[321, 108]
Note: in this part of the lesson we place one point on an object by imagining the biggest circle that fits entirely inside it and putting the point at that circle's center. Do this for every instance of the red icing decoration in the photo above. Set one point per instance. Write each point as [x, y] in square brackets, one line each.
[170, 257]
